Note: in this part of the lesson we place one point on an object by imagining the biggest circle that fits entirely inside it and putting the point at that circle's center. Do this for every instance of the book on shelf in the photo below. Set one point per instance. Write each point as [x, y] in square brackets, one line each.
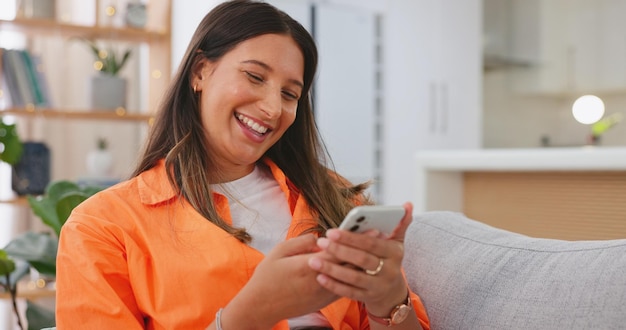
[24, 88]
[24, 78]
[10, 80]
[42, 80]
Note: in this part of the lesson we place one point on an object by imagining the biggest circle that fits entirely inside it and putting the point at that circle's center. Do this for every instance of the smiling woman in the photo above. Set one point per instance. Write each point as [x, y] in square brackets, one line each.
[234, 200]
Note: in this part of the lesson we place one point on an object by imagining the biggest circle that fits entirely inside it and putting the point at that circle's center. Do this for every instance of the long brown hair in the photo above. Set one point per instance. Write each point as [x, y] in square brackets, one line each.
[178, 136]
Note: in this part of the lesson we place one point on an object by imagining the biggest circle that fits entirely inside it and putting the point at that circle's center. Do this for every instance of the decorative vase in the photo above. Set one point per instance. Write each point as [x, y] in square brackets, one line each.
[108, 92]
[31, 174]
[99, 161]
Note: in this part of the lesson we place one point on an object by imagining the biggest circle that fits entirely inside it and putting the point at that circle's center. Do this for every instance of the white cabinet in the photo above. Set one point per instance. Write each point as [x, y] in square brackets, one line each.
[433, 86]
[422, 92]
[458, 121]
[612, 34]
[580, 46]
[345, 90]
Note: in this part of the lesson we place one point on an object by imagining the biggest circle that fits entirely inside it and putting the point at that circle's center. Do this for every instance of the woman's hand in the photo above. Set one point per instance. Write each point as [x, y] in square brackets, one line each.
[282, 286]
[352, 254]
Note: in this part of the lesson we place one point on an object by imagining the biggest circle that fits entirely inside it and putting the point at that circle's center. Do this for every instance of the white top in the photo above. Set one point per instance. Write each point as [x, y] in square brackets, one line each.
[258, 204]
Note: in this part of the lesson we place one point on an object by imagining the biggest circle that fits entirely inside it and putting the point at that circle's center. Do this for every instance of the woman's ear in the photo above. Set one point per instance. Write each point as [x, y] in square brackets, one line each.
[199, 71]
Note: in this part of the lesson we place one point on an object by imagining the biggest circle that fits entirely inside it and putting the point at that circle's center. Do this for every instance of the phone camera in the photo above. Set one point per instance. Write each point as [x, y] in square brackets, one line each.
[358, 221]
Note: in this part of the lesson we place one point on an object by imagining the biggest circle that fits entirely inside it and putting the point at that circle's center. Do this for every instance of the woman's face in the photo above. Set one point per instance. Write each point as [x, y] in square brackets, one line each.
[248, 99]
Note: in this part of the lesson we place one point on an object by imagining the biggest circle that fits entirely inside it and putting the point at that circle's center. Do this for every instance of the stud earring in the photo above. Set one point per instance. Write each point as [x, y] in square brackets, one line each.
[195, 88]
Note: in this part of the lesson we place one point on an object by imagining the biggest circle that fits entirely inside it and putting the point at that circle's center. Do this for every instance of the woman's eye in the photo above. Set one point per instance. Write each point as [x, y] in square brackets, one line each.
[290, 95]
[254, 77]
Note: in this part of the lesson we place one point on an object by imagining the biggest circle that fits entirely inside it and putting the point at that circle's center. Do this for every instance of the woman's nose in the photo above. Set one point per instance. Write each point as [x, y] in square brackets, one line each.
[271, 103]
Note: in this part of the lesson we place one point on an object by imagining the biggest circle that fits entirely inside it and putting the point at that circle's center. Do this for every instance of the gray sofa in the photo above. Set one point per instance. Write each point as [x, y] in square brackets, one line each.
[473, 276]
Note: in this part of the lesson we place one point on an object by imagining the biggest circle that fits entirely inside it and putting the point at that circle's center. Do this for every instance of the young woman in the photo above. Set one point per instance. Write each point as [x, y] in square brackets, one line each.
[229, 219]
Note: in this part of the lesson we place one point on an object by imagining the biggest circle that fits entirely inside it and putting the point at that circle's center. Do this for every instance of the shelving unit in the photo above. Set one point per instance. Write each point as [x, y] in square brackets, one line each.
[63, 122]
[65, 125]
[70, 118]
[156, 35]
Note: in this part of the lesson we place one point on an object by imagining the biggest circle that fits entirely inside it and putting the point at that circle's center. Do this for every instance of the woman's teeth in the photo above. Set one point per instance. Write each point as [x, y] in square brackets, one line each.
[252, 124]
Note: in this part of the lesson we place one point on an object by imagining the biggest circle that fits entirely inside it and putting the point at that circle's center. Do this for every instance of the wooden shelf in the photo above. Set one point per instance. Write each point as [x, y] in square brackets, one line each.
[52, 27]
[29, 291]
[117, 115]
[21, 200]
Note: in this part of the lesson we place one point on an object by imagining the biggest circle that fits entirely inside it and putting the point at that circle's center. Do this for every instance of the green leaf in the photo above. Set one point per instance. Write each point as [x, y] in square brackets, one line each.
[7, 265]
[65, 205]
[58, 201]
[11, 147]
[39, 317]
[45, 209]
[38, 249]
[111, 63]
[22, 268]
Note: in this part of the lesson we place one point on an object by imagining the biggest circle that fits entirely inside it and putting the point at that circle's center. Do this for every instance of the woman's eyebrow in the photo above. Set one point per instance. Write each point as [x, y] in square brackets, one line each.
[269, 68]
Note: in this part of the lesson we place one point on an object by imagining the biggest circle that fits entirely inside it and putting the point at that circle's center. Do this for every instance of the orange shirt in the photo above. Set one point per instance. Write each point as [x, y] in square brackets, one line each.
[136, 257]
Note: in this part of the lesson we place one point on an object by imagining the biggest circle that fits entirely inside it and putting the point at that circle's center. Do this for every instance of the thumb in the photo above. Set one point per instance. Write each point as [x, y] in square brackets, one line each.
[294, 246]
[400, 231]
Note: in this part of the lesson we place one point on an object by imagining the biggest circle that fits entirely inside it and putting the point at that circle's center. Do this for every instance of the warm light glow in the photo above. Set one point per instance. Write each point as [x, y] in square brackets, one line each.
[588, 109]
[98, 65]
[110, 11]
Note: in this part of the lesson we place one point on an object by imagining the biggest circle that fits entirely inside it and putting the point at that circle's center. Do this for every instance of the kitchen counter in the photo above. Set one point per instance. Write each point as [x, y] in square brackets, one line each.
[543, 183]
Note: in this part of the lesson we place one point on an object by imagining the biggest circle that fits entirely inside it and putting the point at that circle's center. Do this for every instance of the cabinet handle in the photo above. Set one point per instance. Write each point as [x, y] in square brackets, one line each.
[432, 107]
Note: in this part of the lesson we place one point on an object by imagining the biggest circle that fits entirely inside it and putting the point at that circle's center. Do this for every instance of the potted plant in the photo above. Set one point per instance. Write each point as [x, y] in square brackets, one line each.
[100, 160]
[38, 250]
[10, 144]
[108, 89]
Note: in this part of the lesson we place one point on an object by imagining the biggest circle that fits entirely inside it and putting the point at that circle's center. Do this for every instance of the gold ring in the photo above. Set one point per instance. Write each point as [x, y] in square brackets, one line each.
[381, 262]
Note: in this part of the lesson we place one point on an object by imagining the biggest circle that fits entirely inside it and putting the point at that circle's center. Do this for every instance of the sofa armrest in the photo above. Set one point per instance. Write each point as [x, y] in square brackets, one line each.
[473, 276]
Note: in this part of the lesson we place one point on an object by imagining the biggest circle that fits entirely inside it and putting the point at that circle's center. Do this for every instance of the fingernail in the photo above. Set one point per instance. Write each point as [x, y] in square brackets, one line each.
[322, 279]
[333, 234]
[323, 242]
[315, 263]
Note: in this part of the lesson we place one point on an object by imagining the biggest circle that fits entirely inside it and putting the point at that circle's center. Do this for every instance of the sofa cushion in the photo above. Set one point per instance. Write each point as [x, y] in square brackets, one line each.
[473, 276]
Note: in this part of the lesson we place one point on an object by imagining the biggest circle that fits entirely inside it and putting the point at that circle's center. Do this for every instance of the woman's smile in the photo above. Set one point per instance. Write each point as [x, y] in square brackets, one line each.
[249, 123]
[249, 98]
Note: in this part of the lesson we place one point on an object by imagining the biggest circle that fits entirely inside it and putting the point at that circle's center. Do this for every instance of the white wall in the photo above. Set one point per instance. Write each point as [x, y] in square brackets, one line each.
[186, 15]
[517, 120]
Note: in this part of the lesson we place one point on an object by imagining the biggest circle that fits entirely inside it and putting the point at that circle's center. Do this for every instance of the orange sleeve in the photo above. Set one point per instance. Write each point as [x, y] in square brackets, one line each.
[91, 297]
[420, 311]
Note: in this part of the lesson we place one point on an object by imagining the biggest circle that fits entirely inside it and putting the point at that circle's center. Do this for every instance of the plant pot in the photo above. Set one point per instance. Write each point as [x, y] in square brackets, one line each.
[99, 163]
[108, 92]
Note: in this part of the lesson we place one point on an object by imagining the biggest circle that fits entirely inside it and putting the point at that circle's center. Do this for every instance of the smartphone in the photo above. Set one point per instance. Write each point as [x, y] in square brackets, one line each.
[384, 218]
